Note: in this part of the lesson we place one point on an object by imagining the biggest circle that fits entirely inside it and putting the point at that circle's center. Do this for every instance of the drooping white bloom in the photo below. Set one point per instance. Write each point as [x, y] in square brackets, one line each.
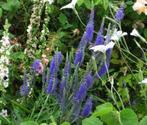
[4, 113]
[70, 5]
[103, 48]
[117, 35]
[50, 1]
[140, 6]
[144, 81]
[135, 33]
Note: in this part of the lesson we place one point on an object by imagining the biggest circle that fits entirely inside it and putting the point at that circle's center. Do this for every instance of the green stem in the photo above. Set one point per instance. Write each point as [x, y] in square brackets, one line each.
[43, 106]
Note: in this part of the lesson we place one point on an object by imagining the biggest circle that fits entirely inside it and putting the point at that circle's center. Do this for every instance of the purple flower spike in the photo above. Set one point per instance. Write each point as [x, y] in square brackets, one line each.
[88, 80]
[87, 108]
[81, 93]
[103, 70]
[100, 37]
[37, 66]
[50, 86]
[83, 42]
[24, 89]
[54, 65]
[90, 27]
[119, 14]
[78, 57]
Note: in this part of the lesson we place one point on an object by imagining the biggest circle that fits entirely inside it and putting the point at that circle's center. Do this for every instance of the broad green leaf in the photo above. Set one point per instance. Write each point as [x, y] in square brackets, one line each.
[91, 121]
[143, 121]
[112, 118]
[65, 123]
[128, 117]
[103, 109]
[29, 123]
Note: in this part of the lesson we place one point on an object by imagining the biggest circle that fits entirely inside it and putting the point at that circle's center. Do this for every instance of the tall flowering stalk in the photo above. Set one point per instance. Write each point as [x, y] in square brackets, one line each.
[33, 28]
[24, 89]
[119, 14]
[64, 84]
[87, 108]
[4, 57]
[54, 67]
[86, 38]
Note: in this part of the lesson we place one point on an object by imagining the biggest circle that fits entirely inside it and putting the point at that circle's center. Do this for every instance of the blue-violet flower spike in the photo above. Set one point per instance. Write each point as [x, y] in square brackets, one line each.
[88, 80]
[78, 57]
[90, 27]
[119, 14]
[87, 108]
[81, 93]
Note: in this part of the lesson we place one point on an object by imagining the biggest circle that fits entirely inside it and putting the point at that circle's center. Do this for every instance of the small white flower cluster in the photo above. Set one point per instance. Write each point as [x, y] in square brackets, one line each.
[4, 61]
[4, 113]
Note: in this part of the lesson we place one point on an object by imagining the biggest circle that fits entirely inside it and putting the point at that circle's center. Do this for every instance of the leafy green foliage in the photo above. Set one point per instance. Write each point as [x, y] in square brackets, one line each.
[143, 121]
[103, 109]
[128, 117]
[91, 121]
[62, 30]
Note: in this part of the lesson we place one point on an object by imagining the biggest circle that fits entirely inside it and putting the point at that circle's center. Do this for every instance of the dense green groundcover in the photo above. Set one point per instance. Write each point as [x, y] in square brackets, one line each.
[80, 64]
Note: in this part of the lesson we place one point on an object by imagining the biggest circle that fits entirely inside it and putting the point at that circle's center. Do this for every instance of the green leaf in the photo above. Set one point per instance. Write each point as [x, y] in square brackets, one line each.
[63, 19]
[105, 4]
[80, 2]
[87, 4]
[29, 123]
[112, 118]
[96, 2]
[103, 109]
[65, 123]
[145, 32]
[91, 121]
[1, 12]
[143, 121]
[128, 117]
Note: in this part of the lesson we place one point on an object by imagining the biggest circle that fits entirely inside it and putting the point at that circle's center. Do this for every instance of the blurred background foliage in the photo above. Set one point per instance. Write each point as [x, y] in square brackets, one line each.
[63, 30]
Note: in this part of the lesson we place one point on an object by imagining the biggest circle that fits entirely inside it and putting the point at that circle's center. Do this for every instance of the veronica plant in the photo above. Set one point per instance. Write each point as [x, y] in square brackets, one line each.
[70, 90]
